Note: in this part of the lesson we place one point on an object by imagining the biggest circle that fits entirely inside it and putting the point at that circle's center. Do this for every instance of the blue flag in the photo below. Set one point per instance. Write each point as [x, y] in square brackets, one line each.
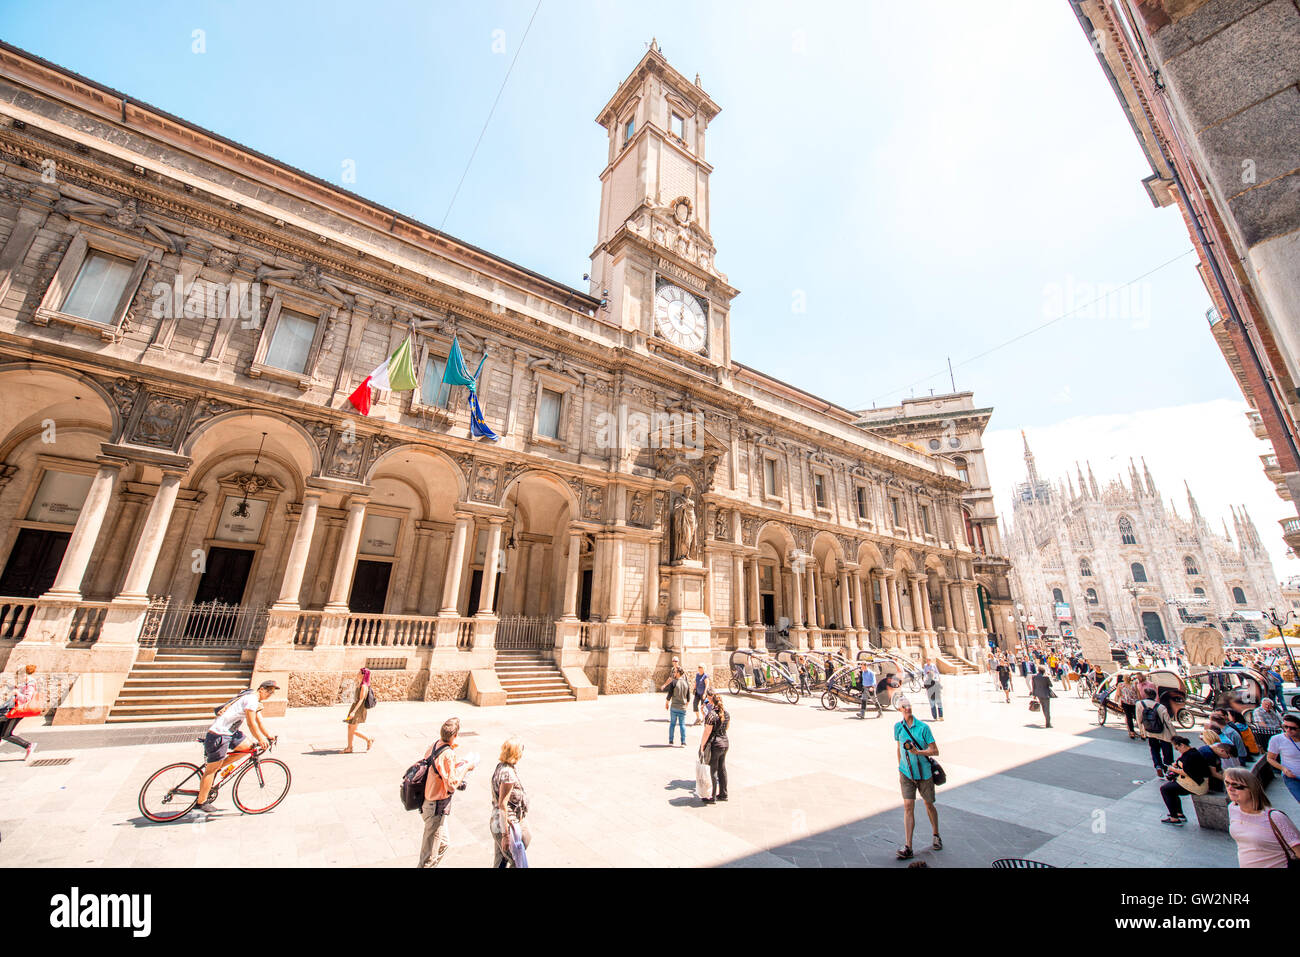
[478, 427]
[456, 373]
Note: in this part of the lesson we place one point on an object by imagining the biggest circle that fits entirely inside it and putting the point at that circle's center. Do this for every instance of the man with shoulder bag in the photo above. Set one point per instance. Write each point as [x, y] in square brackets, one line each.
[917, 771]
[1157, 726]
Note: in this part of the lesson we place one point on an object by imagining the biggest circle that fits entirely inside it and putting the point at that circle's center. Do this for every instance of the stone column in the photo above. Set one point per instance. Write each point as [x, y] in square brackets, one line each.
[918, 613]
[846, 611]
[886, 613]
[959, 608]
[135, 588]
[925, 604]
[652, 583]
[755, 608]
[945, 593]
[738, 603]
[571, 577]
[895, 612]
[291, 584]
[455, 563]
[810, 596]
[616, 581]
[67, 583]
[859, 608]
[345, 564]
[488, 589]
[796, 620]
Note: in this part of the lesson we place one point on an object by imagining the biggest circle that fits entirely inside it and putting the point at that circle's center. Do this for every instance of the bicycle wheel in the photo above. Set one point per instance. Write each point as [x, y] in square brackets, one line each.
[261, 786]
[1101, 715]
[914, 684]
[1080, 690]
[828, 700]
[1185, 719]
[171, 792]
[735, 686]
[792, 694]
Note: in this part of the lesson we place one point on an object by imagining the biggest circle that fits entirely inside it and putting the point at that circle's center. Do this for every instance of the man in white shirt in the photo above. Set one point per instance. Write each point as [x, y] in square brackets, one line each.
[225, 742]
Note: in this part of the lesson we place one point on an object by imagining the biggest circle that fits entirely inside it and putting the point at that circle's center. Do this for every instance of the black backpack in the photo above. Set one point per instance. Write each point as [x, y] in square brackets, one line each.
[371, 700]
[412, 790]
[1151, 720]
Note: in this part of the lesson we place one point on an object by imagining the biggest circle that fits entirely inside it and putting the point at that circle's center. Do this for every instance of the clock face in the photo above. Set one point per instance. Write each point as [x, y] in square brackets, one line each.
[680, 318]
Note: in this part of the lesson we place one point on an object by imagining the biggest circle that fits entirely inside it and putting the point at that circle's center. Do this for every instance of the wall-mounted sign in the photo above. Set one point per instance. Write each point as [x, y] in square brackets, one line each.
[240, 528]
[59, 498]
[379, 535]
[1062, 611]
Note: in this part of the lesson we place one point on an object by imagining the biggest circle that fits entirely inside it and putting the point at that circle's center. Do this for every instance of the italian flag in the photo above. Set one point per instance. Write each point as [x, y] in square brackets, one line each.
[394, 374]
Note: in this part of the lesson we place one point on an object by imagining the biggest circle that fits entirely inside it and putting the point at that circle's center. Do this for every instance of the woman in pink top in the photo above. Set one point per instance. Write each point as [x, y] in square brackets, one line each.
[1265, 837]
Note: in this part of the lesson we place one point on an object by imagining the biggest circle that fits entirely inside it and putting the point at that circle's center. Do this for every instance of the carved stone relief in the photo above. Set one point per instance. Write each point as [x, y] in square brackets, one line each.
[159, 421]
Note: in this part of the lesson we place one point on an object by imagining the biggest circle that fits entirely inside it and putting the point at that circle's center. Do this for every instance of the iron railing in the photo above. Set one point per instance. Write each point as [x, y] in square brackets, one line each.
[515, 632]
[209, 624]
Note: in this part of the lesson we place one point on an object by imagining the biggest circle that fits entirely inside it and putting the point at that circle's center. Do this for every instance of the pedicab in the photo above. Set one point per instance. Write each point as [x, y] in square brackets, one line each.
[754, 672]
[1172, 693]
[820, 664]
[845, 685]
[1237, 689]
[909, 673]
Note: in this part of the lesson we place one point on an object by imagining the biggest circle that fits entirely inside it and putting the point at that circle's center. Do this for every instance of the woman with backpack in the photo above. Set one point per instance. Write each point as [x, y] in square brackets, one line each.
[362, 702]
[714, 745]
[509, 807]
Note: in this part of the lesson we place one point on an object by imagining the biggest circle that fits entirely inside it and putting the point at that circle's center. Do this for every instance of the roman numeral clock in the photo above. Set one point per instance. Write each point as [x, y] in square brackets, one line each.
[681, 317]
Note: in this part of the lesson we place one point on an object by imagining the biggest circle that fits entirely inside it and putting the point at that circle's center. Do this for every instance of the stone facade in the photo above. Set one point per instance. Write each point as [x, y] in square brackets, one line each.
[182, 322]
[1123, 560]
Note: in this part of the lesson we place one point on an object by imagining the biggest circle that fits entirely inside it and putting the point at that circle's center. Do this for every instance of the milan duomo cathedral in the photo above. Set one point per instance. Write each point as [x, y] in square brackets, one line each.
[1121, 558]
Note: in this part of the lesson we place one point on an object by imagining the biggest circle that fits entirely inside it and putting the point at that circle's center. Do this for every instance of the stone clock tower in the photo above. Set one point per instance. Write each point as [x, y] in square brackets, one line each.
[654, 259]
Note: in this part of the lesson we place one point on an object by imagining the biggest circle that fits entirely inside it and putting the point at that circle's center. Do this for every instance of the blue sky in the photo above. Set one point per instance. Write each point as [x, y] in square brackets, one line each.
[933, 183]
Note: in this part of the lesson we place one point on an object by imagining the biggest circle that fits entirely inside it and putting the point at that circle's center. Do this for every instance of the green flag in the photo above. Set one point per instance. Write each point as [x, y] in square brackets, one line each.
[456, 373]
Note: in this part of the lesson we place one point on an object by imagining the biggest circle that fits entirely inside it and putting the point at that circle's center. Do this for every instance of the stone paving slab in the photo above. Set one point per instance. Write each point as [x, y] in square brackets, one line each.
[808, 788]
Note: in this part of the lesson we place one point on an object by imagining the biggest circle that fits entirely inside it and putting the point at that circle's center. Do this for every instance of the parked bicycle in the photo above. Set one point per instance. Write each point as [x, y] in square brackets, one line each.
[259, 784]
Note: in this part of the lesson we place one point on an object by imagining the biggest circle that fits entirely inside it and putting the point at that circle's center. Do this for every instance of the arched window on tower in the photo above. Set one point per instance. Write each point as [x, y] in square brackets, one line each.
[1239, 596]
[1085, 568]
[1126, 536]
[1139, 573]
[1189, 565]
[1056, 595]
[1199, 591]
[974, 534]
[963, 472]
[1092, 596]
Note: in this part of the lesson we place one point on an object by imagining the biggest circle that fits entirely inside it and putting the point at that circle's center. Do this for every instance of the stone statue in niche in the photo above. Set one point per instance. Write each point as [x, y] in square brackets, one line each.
[638, 509]
[685, 528]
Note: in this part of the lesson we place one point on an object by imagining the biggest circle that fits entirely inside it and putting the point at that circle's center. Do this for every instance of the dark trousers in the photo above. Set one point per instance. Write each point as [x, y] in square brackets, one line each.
[718, 771]
[1047, 711]
[7, 727]
[1162, 753]
[1171, 792]
[1130, 714]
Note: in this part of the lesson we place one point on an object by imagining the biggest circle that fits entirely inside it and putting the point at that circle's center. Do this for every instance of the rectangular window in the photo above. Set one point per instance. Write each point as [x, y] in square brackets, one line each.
[628, 129]
[819, 489]
[894, 512]
[548, 414]
[59, 498]
[862, 502]
[925, 518]
[769, 476]
[98, 288]
[291, 344]
[433, 391]
[677, 126]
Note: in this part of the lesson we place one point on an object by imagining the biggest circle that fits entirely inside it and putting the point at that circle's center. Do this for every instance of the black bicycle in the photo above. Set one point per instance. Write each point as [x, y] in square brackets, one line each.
[259, 785]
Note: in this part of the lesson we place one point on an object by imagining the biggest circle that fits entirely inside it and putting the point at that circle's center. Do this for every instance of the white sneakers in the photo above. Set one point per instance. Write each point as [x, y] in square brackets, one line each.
[31, 749]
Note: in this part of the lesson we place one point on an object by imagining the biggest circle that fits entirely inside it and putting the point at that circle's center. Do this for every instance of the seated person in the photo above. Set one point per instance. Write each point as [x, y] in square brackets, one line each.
[884, 689]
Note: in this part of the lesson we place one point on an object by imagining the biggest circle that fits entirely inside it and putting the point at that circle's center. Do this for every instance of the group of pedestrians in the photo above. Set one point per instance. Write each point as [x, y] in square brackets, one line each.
[448, 773]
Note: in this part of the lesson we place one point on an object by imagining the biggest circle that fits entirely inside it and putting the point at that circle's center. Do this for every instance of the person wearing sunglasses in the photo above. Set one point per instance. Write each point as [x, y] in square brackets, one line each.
[1284, 754]
[1265, 837]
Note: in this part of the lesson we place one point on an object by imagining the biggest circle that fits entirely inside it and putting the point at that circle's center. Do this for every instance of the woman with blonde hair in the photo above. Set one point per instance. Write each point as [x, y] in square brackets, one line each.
[1265, 837]
[509, 805]
[361, 703]
[19, 704]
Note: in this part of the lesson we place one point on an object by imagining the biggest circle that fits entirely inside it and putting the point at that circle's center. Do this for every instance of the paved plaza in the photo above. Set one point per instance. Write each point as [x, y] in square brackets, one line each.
[809, 788]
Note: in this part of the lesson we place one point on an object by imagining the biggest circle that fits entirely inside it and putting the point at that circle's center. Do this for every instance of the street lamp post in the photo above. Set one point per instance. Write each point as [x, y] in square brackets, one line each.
[1279, 622]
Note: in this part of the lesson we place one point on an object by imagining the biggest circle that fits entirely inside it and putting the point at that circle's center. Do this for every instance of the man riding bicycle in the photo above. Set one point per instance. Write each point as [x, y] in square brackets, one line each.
[225, 742]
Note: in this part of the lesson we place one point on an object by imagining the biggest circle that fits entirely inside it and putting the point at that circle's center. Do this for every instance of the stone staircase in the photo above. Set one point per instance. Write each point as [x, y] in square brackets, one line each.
[181, 684]
[531, 677]
[955, 665]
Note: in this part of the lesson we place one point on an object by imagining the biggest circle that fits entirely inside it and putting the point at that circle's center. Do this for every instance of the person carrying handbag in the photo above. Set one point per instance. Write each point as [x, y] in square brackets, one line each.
[713, 747]
[362, 702]
[1265, 837]
[1041, 690]
[19, 704]
[509, 808]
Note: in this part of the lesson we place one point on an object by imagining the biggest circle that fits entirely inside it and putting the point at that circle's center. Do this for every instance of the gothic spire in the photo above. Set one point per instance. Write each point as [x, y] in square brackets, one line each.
[1092, 481]
[1191, 504]
[1151, 483]
[1134, 480]
[1029, 463]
